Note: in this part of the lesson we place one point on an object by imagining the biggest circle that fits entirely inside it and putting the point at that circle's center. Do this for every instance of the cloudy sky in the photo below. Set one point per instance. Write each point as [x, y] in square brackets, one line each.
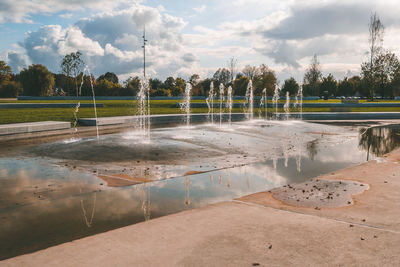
[186, 37]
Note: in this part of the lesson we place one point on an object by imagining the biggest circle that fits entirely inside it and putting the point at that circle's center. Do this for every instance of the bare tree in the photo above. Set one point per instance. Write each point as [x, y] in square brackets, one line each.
[232, 66]
[376, 32]
[312, 78]
[250, 71]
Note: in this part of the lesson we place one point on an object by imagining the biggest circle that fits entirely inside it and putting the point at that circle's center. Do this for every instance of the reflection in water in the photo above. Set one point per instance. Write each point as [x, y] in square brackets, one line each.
[379, 140]
[89, 222]
[145, 198]
[28, 223]
[187, 190]
[312, 149]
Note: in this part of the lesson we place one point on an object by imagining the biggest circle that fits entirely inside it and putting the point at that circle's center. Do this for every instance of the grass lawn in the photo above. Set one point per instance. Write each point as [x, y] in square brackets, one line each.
[128, 107]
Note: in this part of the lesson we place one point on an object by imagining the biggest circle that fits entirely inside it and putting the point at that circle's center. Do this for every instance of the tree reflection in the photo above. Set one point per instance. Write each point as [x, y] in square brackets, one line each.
[379, 140]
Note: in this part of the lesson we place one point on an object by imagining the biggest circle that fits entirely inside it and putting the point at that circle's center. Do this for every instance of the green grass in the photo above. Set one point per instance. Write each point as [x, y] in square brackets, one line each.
[128, 107]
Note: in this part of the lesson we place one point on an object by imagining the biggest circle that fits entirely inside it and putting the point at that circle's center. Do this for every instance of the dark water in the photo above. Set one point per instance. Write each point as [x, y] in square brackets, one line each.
[43, 203]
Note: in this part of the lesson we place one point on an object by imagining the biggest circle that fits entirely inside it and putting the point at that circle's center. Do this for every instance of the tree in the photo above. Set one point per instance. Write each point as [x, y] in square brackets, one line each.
[345, 88]
[106, 88]
[179, 87]
[232, 63]
[376, 32]
[265, 78]
[194, 79]
[131, 87]
[72, 65]
[250, 71]
[10, 89]
[37, 80]
[329, 85]
[110, 76]
[290, 85]
[5, 72]
[222, 75]
[240, 85]
[312, 78]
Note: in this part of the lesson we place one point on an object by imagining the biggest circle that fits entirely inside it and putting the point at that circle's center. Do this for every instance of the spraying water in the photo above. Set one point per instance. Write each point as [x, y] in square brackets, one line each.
[250, 100]
[229, 104]
[221, 100]
[300, 95]
[286, 107]
[210, 102]
[275, 100]
[93, 95]
[185, 106]
[143, 98]
[263, 103]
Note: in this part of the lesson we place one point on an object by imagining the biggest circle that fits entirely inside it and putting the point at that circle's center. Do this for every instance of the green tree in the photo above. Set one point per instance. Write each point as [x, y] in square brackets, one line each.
[72, 65]
[107, 88]
[5, 72]
[179, 87]
[37, 80]
[131, 87]
[345, 88]
[329, 84]
[222, 75]
[110, 76]
[383, 71]
[290, 85]
[312, 78]
[265, 78]
[10, 89]
[240, 85]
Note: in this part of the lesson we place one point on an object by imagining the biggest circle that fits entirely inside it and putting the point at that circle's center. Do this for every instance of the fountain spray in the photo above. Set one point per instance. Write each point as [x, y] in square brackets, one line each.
[221, 99]
[275, 100]
[185, 106]
[229, 104]
[210, 102]
[263, 102]
[250, 100]
[286, 107]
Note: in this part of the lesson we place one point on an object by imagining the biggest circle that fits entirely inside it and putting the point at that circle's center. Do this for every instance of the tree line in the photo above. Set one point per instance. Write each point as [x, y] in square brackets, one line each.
[380, 75]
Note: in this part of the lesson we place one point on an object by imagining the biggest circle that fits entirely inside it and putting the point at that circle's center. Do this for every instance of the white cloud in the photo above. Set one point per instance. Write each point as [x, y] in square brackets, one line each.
[112, 41]
[200, 9]
[21, 11]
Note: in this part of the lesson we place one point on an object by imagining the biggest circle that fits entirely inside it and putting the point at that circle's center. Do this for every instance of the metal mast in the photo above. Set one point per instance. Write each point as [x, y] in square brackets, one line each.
[144, 51]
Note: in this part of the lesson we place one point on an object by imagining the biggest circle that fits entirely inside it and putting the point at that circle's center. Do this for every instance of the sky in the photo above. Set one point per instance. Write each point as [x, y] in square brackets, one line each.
[188, 37]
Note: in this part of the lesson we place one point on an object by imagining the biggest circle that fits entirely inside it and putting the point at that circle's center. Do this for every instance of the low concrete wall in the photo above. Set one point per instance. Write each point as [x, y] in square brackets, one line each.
[47, 105]
[29, 127]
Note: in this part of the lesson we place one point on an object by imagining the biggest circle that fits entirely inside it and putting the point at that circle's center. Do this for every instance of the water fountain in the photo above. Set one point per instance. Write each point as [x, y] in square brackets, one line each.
[93, 95]
[249, 100]
[221, 100]
[143, 98]
[300, 95]
[210, 102]
[185, 106]
[275, 100]
[263, 103]
[229, 104]
[286, 106]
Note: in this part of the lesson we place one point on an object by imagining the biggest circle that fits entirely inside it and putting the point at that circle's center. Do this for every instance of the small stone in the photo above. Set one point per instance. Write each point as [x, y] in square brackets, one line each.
[270, 247]
[385, 182]
[363, 220]
[375, 236]
[256, 264]
[362, 239]
[351, 225]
